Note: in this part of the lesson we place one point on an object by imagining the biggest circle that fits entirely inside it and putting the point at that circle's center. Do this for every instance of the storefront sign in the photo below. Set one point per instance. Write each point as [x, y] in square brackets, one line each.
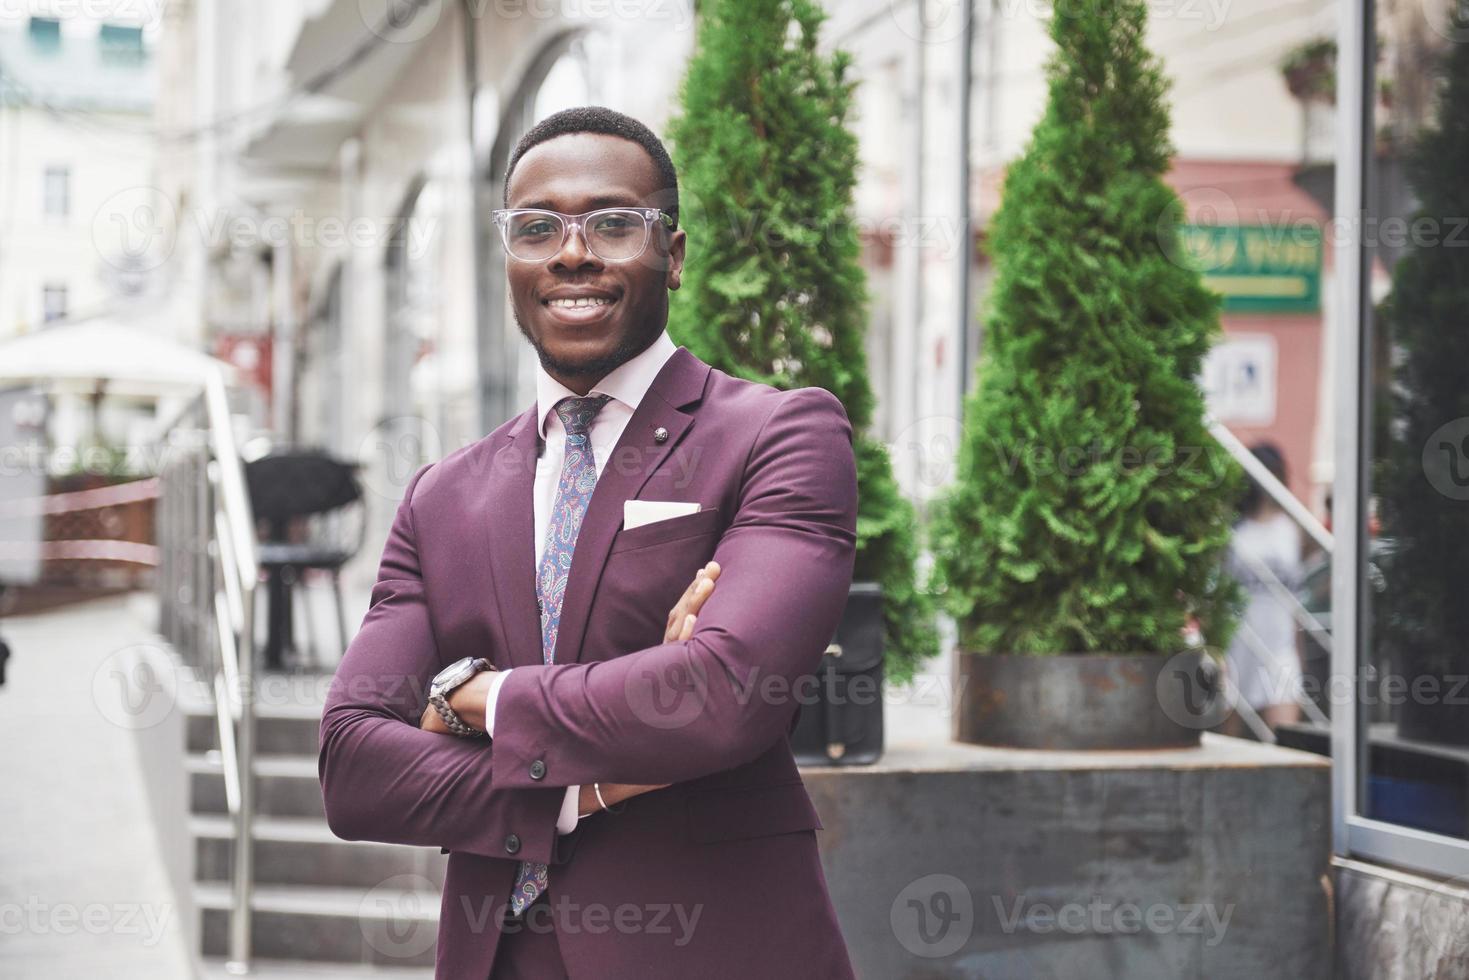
[1259, 269]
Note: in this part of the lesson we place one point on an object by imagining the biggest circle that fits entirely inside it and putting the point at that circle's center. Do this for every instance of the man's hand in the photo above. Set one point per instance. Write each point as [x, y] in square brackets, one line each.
[681, 617]
[680, 626]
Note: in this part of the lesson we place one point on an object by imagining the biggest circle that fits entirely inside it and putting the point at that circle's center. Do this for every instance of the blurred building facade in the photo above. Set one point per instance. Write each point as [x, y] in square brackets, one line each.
[76, 100]
[337, 162]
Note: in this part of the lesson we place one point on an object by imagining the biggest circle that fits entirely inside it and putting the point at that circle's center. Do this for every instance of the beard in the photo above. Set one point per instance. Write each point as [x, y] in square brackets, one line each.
[597, 368]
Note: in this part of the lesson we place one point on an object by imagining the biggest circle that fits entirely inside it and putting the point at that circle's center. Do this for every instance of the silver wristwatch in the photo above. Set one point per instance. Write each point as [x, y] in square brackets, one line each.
[446, 681]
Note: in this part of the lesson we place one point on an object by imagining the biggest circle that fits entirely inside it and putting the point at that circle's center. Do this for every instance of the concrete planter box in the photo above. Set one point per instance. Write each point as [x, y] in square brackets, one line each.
[965, 862]
[1078, 701]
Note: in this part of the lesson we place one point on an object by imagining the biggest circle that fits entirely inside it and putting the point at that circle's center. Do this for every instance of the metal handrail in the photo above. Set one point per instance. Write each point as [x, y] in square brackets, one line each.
[1278, 491]
[1304, 618]
[240, 567]
[207, 576]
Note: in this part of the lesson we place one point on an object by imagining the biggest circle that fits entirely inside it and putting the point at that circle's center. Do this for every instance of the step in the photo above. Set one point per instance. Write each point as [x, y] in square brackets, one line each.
[393, 924]
[280, 729]
[304, 851]
[263, 969]
[285, 785]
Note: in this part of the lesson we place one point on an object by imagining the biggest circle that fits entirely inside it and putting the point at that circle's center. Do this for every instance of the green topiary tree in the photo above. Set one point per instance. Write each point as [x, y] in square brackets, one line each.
[1091, 507]
[1423, 468]
[773, 290]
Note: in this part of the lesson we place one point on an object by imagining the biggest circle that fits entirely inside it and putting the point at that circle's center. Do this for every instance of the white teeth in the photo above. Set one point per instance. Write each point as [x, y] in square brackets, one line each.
[578, 303]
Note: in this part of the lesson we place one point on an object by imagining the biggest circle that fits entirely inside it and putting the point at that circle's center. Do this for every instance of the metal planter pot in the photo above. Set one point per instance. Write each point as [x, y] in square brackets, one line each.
[1081, 701]
[840, 714]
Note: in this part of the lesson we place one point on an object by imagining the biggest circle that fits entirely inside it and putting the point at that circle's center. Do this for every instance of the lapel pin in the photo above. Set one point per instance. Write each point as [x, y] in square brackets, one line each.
[660, 435]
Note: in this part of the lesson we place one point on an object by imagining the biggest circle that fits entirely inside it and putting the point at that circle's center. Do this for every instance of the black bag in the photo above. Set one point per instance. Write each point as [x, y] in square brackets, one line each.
[839, 718]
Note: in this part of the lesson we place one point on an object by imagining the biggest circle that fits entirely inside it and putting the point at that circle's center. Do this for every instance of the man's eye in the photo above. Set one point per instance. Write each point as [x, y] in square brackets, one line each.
[614, 224]
[537, 228]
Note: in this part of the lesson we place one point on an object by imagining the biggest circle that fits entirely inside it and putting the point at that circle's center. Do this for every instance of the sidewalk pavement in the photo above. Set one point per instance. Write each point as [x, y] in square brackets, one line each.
[84, 891]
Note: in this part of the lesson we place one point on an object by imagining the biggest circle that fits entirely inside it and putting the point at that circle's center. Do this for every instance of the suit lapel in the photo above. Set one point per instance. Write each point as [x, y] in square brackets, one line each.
[509, 526]
[635, 458]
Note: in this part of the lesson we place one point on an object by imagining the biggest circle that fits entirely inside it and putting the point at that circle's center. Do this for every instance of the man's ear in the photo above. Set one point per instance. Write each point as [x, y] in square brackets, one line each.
[676, 243]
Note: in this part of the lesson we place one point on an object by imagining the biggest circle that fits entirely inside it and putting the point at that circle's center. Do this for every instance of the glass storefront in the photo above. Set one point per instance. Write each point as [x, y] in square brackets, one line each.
[1413, 720]
[1402, 486]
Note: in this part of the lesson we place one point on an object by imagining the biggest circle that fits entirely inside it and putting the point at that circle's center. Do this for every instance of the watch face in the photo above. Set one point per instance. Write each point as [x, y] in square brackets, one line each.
[453, 675]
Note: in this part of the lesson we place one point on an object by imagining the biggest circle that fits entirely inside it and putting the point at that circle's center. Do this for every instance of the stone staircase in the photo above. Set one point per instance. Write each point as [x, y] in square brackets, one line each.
[322, 906]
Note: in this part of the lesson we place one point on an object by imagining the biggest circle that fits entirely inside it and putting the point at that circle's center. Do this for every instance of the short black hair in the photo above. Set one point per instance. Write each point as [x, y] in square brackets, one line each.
[1254, 495]
[608, 122]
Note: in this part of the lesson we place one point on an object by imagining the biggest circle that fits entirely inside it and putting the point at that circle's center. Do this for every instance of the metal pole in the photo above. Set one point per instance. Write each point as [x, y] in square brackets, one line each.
[1354, 75]
[235, 505]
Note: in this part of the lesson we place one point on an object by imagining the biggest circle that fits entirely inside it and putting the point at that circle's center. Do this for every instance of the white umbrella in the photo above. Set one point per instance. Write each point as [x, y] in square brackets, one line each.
[129, 359]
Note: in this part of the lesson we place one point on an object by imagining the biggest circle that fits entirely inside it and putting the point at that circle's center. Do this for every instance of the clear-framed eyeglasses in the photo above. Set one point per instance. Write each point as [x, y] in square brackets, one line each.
[611, 234]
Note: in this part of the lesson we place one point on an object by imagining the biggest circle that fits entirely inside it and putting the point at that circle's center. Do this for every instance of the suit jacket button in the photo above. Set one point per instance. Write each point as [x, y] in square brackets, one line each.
[538, 770]
[512, 844]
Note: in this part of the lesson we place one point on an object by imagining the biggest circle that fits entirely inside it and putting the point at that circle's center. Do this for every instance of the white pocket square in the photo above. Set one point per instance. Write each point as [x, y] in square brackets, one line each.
[636, 513]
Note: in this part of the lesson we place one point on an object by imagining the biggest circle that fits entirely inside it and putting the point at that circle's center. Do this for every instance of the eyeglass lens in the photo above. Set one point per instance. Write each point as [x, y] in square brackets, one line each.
[612, 236]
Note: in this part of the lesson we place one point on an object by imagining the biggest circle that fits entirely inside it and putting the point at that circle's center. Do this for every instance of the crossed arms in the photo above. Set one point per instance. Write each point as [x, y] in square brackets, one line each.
[787, 563]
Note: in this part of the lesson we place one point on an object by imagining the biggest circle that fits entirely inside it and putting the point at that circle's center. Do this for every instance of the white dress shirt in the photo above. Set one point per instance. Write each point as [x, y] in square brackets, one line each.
[626, 384]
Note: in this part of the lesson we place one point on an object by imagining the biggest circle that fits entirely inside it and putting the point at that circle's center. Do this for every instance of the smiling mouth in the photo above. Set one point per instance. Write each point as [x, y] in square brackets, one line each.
[579, 303]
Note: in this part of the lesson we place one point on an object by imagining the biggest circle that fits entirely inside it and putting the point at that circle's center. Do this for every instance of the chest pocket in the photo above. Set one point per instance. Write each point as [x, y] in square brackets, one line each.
[647, 569]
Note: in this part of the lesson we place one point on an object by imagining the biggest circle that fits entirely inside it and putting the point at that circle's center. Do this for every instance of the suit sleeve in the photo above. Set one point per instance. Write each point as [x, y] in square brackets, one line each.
[385, 779]
[677, 711]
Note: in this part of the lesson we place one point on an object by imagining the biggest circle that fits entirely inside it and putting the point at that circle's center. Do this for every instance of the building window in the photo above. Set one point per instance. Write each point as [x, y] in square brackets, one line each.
[56, 192]
[53, 301]
[119, 43]
[45, 33]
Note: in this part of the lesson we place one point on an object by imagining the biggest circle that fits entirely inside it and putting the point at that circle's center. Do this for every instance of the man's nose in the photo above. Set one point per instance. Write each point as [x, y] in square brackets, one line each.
[575, 254]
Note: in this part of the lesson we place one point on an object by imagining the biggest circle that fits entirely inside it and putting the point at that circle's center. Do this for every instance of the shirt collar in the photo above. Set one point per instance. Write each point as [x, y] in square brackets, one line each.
[627, 383]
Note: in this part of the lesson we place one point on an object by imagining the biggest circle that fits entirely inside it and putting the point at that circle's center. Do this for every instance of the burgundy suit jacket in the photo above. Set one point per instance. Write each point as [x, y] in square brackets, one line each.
[715, 876]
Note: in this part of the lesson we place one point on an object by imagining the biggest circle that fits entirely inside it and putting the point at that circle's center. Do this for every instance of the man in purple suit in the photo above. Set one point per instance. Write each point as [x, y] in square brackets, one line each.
[625, 680]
